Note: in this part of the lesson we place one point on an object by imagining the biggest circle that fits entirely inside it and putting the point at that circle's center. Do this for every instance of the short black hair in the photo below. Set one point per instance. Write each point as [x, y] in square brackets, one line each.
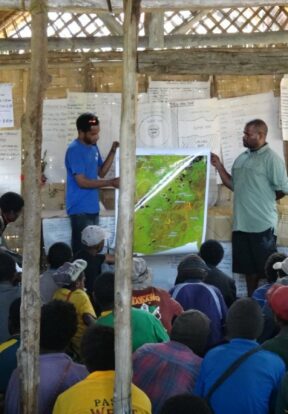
[211, 252]
[103, 290]
[86, 121]
[97, 348]
[7, 267]
[185, 403]
[58, 254]
[244, 319]
[273, 274]
[58, 325]
[14, 316]
[259, 124]
[11, 202]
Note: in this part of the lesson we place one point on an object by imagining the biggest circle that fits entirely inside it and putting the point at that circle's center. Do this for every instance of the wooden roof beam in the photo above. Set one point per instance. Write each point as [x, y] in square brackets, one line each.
[96, 5]
[208, 61]
[154, 28]
[170, 41]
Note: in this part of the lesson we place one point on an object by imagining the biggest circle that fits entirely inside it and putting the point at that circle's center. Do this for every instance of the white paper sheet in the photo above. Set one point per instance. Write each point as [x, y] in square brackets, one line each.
[154, 126]
[168, 91]
[6, 106]
[236, 112]
[10, 161]
[55, 139]
[284, 106]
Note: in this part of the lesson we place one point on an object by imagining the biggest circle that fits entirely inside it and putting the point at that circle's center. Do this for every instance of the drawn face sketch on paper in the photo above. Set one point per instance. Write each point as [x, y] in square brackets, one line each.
[153, 132]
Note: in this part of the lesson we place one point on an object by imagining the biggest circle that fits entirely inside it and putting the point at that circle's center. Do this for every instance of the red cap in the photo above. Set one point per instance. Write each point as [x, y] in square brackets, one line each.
[277, 297]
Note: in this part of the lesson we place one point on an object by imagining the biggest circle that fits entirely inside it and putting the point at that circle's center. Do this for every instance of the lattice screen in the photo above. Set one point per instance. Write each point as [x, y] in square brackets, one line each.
[244, 20]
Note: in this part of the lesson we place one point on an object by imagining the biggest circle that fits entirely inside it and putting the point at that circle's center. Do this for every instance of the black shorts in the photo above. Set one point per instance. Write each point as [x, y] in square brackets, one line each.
[251, 250]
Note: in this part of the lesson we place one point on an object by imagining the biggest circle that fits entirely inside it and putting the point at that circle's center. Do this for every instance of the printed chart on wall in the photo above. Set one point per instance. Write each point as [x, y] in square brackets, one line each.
[170, 200]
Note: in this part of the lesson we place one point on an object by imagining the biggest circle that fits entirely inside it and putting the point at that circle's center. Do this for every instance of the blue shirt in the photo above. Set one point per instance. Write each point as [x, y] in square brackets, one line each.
[82, 159]
[251, 388]
[260, 294]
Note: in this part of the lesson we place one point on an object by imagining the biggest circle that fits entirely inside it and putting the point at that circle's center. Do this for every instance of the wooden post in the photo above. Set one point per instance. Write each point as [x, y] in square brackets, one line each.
[32, 139]
[122, 390]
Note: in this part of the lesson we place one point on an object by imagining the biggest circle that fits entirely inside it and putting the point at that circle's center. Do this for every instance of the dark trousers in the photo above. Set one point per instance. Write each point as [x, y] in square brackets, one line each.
[78, 223]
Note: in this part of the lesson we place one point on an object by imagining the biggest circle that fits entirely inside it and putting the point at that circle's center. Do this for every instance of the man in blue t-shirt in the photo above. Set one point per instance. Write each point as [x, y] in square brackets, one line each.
[84, 167]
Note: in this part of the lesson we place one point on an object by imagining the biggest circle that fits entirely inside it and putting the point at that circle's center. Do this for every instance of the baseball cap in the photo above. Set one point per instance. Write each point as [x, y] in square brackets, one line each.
[141, 275]
[93, 235]
[282, 266]
[69, 272]
[277, 297]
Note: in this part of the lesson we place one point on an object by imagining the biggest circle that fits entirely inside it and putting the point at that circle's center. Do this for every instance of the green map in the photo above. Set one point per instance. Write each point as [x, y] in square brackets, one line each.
[169, 202]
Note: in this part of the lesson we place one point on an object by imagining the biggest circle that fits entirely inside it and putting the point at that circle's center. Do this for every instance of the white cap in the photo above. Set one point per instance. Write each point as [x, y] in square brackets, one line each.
[282, 266]
[69, 272]
[93, 235]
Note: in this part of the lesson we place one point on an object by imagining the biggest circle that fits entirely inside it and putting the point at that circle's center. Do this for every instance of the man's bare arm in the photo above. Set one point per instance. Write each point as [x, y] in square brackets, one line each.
[109, 160]
[225, 176]
[85, 182]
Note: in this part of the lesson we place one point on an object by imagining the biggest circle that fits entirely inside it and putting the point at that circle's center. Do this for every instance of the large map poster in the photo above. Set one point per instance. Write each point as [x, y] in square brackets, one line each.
[170, 200]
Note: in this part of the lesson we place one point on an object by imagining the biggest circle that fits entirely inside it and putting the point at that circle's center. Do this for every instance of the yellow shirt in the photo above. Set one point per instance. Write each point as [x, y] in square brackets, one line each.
[82, 303]
[94, 395]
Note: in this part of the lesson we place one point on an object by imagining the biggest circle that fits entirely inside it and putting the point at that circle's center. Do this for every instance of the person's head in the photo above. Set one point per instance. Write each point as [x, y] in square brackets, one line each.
[7, 268]
[88, 127]
[277, 297]
[281, 265]
[255, 133]
[273, 273]
[185, 403]
[58, 254]
[191, 267]
[192, 329]
[97, 348]
[141, 274]
[103, 290]
[71, 275]
[58, 325]
[93, 237]
[11, 205]
[14, 317]
[211, 252]
[244, 319]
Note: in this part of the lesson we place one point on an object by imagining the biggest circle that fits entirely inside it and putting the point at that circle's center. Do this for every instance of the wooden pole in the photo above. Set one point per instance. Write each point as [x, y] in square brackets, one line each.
[123, 351]
[31, 141]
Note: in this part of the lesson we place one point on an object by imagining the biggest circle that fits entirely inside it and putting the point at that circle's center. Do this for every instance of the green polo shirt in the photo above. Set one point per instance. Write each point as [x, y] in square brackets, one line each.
[256, 175]
[146, 328]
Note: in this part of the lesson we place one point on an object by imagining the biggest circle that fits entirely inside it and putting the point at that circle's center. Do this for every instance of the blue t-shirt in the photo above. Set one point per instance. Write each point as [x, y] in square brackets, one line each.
[251, 388]
[86, 160]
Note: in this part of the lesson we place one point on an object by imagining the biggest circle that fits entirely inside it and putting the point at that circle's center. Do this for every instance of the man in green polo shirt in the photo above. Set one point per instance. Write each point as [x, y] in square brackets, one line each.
[258, 178]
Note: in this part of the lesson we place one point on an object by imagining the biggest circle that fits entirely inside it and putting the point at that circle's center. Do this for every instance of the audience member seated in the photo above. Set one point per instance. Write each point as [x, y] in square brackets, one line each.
[282, 397]
[95, 393]
[146, 328]
[57, 371]
[192, 293]
[184, 404]
[93, 239]
[212, 252]
[157, 300]
[8, 349]
[278, 300]
[271, 275]
[11, 205]
[271, 327]
[251, 388]
[171, 368]
[282, 267]
[58, 254]
[8, 292]
[72, 278]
